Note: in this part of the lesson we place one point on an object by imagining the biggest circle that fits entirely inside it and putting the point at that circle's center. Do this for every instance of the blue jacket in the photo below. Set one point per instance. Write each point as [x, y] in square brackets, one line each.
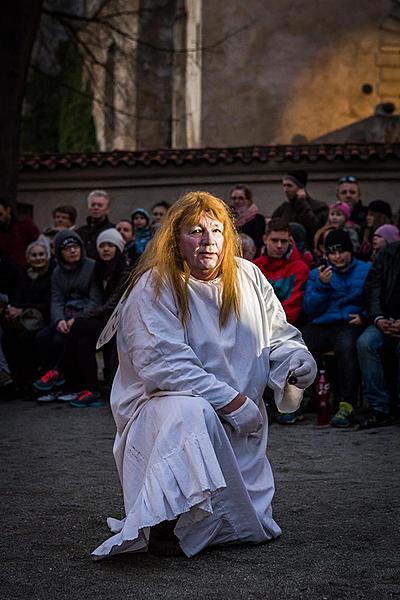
[334, 301]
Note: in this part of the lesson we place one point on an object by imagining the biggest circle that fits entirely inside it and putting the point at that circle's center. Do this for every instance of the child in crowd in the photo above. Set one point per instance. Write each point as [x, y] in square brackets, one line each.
[142, 233]
[385, 234]
[379, 213]
[339, 218]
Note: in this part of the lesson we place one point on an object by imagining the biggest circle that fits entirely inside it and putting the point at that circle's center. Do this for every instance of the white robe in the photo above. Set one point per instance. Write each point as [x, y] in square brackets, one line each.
[175, 455]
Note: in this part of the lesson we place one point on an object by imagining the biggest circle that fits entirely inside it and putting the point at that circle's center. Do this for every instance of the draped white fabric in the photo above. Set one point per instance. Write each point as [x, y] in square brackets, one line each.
[175, 455]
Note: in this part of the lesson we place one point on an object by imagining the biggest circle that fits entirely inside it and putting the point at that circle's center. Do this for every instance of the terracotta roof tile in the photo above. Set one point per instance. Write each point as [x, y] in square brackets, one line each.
[211, 156]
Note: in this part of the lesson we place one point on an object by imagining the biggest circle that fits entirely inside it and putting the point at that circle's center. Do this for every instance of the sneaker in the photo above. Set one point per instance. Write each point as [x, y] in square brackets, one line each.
[374, 419]
[344, 416]
[87, 399]
[48, 381]
[50, 397]
[289, 418]
[5, 379]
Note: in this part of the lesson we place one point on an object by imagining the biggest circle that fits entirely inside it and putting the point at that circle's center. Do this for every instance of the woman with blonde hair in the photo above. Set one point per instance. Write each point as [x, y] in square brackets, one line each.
[200, 335]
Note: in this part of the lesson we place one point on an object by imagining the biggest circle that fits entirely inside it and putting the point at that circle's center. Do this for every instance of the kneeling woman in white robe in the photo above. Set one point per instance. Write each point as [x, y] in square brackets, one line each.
[200, 336]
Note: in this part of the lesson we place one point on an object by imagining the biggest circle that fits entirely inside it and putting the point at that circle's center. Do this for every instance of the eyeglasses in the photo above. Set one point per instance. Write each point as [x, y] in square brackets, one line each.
[347, 179]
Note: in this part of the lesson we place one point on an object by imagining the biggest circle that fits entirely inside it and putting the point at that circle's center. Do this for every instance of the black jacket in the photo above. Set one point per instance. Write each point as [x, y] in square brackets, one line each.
[382, 287]
[34, 293]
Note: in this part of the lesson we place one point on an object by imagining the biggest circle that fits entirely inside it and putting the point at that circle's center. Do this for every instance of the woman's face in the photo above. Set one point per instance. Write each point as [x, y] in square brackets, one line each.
[370, 218]
[37, 258]
[378, 242]
[239, 201]
[159, 213]
[336, 218]
[201, 246]
[107, 251]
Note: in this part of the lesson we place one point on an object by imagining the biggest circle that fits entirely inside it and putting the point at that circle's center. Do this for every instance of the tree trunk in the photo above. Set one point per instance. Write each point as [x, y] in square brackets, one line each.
[18, 26]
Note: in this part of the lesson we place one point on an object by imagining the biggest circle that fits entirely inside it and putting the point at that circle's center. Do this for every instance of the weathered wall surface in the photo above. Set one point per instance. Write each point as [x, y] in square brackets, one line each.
[277, 70]
[143, 186]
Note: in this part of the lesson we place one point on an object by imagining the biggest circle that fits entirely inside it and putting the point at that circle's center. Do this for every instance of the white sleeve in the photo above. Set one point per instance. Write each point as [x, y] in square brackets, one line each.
[155, 342]
[285, 343]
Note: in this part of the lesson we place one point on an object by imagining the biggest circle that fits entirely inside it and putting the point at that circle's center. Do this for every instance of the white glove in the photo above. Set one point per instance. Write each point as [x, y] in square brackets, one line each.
[246, 419]
[304, 368]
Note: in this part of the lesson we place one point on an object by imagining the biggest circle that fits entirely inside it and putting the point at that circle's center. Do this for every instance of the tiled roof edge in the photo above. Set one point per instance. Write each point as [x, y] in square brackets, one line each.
[211, 156]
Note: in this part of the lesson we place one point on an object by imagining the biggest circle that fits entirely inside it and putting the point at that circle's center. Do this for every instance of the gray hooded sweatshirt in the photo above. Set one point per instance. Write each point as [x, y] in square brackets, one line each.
[70, 284]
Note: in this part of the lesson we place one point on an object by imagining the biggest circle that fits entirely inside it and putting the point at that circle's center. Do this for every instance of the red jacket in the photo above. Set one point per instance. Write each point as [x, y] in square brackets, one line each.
[16, 237]
[288, 277]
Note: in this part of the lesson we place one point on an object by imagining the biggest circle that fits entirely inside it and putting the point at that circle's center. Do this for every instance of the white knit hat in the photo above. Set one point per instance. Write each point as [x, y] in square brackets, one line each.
[112, 236]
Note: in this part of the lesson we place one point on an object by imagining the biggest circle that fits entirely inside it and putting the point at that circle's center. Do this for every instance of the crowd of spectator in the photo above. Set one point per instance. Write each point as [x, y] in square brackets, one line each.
[334, 267]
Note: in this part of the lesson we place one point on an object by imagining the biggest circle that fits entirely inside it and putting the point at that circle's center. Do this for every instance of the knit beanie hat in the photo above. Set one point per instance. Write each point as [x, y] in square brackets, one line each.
[380, 206]
[298, 177]
[338, 239]
[389, 233]
[112, 236]
[143, 212]
[343, 207]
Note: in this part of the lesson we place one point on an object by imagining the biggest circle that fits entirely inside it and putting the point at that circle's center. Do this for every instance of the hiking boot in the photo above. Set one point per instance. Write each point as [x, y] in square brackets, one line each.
[87, 399]
[374, 419]
[344, 416]
[289, 418]
[50, 380]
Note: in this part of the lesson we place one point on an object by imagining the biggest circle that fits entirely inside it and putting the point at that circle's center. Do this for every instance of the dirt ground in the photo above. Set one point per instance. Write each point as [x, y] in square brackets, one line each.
[337, 501]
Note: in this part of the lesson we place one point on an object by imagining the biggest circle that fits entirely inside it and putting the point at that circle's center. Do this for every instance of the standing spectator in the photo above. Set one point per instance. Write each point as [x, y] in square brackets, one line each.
[348, 190]
[159, 212]
[334, 302]
[284, 269]
[64, 217]
[107, 284]
[16, 234]
[382, 291]
[379, 213]
[124, 227]
[28, 312]
[96, 222]
[142, 235]
[70, 296]
[300, 207]
[248, 218]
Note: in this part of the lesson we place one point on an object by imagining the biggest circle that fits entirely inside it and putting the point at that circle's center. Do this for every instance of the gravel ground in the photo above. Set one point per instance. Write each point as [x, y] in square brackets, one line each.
[337, 501]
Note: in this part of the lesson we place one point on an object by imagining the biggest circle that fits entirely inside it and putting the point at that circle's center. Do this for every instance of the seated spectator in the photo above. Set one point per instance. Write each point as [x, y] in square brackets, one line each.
[300, 207]
[27, 313]
[385, 234]
[349, 191]
[142, 235]
[64, 217]
[339, 218]
[16, 234]
[333, 300]
[382, 292]
[109, 277]
[379, 213]
[248, 246]
[96, 222]
[248, 218]
[70, 287]
[319, 244]
[284, 269]
[159, 212]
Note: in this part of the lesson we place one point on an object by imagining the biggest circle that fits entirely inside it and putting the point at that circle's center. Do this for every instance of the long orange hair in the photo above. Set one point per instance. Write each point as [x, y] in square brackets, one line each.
[162, 253]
